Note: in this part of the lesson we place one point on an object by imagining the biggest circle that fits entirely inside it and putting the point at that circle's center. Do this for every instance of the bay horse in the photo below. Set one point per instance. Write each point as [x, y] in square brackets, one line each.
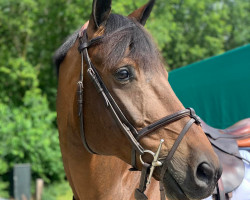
[115, 106]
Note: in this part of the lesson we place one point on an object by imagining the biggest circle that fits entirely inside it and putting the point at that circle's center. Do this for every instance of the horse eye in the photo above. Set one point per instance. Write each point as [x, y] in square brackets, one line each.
[123, 74]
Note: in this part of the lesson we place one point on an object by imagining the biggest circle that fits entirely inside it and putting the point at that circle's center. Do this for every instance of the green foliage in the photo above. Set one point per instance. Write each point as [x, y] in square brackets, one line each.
[28, 135]
[191, 30]
[185, 31]
[16, 77]
[57, 191]
[27, 124]
[3, 188]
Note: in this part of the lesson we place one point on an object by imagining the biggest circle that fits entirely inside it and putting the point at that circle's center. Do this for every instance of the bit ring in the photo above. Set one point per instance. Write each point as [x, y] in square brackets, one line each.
[146, 151]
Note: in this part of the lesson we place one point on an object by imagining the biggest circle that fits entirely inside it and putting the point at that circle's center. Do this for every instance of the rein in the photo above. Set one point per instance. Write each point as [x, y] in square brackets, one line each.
[126, 127]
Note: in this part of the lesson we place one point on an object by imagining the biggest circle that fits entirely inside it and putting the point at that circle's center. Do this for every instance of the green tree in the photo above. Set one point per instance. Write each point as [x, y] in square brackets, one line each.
[31, 31]
[191, 30]
[28, 135]
[27, 124]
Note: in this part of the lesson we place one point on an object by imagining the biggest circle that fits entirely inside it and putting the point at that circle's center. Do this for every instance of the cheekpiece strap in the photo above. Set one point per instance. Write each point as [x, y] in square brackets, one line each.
[84, 43]
[139, 192]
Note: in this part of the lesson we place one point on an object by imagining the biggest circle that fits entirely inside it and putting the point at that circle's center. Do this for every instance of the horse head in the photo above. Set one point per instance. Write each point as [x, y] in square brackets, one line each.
[132, 71]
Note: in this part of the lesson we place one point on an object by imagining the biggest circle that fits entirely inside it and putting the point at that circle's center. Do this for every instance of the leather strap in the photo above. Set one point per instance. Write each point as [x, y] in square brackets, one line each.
[139, 192]
[80, 114]
[175, 146]
[86, 44]
[133, 160]
[163, 122]
[162, 191]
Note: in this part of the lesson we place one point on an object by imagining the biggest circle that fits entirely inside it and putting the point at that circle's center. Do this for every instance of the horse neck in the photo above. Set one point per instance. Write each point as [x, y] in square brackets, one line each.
[99, 177]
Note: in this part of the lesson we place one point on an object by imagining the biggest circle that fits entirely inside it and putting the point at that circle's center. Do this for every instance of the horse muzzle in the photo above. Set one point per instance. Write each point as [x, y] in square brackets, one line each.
[190, 182]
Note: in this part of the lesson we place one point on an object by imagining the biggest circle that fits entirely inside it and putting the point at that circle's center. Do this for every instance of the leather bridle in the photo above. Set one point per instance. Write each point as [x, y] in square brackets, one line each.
[126, 127]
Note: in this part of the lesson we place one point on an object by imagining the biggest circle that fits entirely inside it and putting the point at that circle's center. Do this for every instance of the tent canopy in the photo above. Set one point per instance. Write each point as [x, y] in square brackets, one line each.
[218, 88]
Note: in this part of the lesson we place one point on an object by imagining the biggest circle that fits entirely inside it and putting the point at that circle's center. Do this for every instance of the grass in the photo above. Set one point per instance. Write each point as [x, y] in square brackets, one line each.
[4, 189]
[57, 191]
[67, 196]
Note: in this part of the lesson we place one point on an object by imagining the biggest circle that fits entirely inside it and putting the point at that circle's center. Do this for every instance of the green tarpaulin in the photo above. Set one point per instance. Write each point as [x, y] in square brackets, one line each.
[218, 88]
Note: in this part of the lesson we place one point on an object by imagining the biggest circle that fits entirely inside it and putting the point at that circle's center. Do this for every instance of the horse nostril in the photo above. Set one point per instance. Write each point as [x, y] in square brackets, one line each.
[205, 173]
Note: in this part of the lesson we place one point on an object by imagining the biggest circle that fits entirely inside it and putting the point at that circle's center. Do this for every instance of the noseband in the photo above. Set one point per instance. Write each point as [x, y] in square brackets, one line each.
[126, 127]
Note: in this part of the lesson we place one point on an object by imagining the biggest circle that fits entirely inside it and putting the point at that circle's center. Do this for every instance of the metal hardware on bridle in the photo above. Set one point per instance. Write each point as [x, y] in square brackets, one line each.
[126, 127]
[139, 193]
[155, 162]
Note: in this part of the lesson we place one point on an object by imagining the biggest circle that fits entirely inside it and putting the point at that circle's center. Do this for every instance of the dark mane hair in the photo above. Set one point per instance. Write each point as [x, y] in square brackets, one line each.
[121, 33]
[62, 51]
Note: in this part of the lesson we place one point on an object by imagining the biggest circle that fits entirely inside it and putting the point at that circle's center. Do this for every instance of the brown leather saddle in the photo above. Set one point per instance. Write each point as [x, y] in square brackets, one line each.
[225, 145]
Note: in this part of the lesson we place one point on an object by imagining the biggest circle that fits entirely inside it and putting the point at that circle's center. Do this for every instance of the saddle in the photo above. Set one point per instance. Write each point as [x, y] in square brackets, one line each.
[225, 143]
[241, 128]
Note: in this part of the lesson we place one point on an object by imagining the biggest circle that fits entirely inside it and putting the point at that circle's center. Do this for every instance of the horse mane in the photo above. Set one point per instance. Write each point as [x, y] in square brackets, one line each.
[114, 45]
[62, 51]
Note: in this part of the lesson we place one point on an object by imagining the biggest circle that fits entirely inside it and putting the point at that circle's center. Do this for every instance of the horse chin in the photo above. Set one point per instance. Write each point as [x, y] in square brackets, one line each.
[173, 189]
[179, 186]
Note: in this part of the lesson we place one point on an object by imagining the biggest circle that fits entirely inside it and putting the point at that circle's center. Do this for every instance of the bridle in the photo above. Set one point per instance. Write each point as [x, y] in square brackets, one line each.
[126, 127]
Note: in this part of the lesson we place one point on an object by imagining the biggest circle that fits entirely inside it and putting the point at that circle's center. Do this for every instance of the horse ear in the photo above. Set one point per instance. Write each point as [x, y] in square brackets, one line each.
[142, 14]
[100, 12]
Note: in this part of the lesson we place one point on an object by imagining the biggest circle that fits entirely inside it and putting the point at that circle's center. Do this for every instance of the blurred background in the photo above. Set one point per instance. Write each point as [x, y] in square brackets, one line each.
[185, 31]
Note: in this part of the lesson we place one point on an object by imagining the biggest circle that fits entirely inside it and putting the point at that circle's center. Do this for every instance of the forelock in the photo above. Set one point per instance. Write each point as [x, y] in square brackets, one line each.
[134, 38]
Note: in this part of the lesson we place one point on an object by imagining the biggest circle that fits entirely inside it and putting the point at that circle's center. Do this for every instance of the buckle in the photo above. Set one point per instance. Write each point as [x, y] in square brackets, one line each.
[155, 162]
[194, 116]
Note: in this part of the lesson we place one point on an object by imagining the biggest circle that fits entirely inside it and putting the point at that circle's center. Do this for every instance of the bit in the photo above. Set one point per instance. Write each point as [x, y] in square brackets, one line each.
[155, 163]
